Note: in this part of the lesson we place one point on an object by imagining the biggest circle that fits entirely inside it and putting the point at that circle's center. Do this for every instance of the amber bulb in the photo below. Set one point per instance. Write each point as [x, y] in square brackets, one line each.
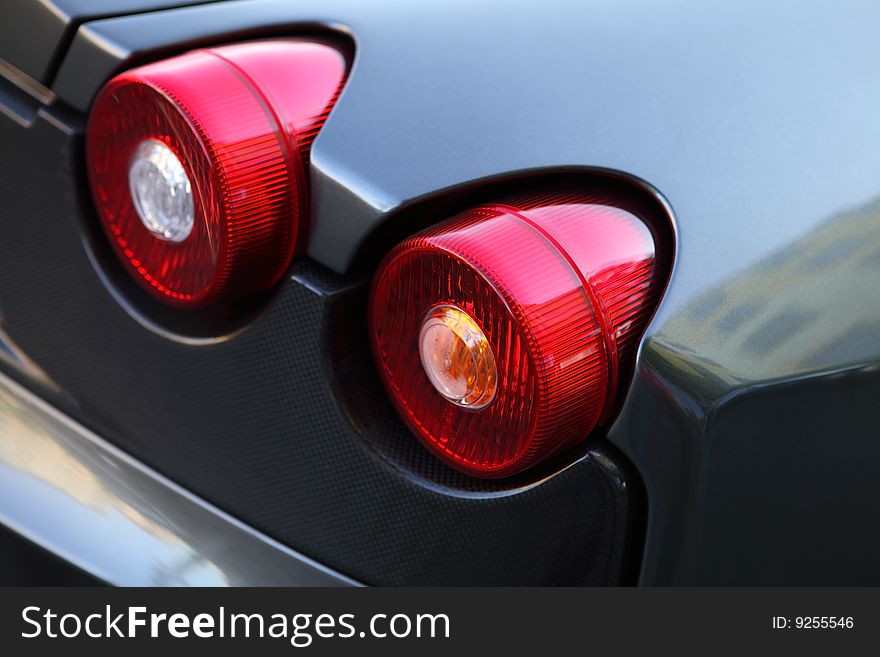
[457, 357]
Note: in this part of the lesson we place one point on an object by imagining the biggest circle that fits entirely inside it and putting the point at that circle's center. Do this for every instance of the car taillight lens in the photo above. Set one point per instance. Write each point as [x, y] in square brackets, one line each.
[198, 164]
[501, 333]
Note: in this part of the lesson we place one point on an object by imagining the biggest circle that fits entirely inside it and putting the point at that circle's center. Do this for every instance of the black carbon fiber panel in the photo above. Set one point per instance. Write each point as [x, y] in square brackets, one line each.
[254, 422]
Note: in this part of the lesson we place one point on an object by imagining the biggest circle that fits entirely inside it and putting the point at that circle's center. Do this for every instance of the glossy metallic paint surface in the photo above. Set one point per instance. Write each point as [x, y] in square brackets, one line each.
[70, 492]
[34, 34]
[765, 388]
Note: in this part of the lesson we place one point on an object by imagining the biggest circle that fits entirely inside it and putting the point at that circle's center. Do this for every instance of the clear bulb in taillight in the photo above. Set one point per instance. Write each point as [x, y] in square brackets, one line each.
[161, 191]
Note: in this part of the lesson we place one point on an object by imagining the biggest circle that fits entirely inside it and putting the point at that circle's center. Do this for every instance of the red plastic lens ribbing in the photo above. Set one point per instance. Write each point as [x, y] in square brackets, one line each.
[240, 121]
[560, 286]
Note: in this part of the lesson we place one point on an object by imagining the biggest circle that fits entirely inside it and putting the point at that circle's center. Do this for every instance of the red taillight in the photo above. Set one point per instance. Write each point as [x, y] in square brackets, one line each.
[501, 332]
[198, 164]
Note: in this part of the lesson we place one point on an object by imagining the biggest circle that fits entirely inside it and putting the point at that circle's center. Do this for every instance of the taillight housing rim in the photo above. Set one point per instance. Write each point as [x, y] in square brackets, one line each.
[601, 397]
[248, 169]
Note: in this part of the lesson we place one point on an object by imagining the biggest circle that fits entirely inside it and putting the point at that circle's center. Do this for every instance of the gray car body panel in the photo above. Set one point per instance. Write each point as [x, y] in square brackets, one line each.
[62, 486]
[751, 415]
[35, 34]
